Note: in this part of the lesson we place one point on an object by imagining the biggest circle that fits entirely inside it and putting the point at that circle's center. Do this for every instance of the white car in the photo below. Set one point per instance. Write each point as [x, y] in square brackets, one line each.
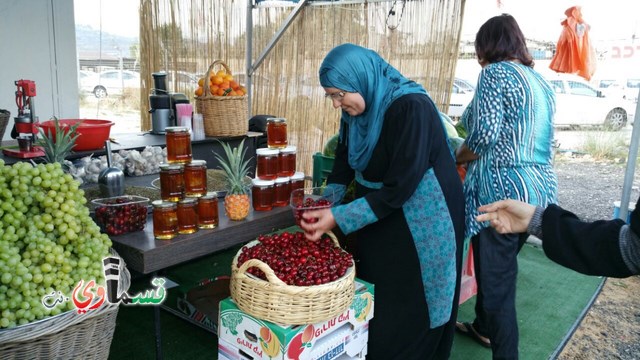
[87, 80]
[113, 82]
[461, 95]
[625, 89]
[578, 103]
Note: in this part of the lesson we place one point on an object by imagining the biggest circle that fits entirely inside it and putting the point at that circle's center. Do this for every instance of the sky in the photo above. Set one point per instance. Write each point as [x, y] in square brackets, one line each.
[539, 19]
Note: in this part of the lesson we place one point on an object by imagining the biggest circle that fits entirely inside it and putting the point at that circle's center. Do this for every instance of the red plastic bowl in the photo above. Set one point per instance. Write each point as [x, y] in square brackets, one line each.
[92, 133]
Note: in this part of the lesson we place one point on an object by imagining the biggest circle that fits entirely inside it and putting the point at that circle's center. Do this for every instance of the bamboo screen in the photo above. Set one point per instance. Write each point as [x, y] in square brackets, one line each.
[420, 38]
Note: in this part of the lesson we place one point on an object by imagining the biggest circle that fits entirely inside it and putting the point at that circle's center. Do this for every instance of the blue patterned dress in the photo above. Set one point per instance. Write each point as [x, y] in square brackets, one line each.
[510, 127]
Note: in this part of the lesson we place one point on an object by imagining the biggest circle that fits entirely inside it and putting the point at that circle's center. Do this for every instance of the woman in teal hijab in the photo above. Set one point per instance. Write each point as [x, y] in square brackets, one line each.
[408, 213]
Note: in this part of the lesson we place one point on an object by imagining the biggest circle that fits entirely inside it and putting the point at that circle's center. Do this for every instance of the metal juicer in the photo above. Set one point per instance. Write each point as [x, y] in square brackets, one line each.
[25, 128]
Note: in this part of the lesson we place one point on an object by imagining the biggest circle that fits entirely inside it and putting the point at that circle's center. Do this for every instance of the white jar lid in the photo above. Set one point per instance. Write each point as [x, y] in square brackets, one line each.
[299, 175]
[265, 151]
[281, 180]
[288, 149]
[260, 182]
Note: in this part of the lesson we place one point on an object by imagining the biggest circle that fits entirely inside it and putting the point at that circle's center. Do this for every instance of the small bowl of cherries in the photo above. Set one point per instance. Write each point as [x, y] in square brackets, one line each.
[308, 199]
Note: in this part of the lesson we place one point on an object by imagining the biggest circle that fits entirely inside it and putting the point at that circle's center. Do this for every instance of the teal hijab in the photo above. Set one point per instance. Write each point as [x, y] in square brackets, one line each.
[355, 69]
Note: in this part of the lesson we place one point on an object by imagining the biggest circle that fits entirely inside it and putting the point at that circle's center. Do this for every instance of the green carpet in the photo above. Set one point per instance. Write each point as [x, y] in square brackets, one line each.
[550, 299]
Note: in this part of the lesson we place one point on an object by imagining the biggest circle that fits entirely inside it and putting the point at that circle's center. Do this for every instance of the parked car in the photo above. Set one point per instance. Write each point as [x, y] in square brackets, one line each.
[625, 88]
[578, 103]
[113, 82]
[87, 80]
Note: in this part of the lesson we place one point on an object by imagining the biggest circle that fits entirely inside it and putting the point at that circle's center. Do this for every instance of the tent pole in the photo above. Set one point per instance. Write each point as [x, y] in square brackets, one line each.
[631, 165]
[249, 55]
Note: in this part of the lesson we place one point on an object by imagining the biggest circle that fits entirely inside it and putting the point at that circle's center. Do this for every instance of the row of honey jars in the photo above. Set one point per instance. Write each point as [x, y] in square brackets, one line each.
[180, 180]
[274, 163]
[178, 142]
[267, 194]
[184, 217]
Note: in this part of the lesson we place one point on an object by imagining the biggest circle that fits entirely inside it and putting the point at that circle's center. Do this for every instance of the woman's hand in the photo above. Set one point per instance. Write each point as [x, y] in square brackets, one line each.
[317, 222]
[507, 216]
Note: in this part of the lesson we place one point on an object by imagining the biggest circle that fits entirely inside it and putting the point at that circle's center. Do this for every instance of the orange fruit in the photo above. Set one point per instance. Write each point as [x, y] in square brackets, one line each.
[217, 80]
[232, 93]
[199, 91]
[220, 92]
[228, 77]
[221, 73]
[234, 85]
[225, 85]
[201, 82]
[239, 92]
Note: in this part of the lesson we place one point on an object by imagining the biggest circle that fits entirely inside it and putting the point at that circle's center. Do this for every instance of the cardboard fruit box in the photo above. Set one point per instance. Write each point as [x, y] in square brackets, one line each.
[241, 335]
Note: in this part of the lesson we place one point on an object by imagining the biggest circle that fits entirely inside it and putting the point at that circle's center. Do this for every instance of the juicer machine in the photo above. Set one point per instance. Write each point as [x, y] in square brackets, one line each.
[25, 126]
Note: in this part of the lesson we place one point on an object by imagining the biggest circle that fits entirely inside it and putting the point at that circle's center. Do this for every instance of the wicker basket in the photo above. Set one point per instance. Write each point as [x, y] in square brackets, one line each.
[273, 300]
[223, 115]
[65, 336]
[4, 120]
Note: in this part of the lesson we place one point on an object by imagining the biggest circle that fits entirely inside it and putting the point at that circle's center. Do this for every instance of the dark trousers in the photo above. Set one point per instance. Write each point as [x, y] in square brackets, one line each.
[496, 267]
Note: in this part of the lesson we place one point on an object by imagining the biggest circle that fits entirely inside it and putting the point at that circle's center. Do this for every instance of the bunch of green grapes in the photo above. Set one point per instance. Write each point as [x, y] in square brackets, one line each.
[48, 241]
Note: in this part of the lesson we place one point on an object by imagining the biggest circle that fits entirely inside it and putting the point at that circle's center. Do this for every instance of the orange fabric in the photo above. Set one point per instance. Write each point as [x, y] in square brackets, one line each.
[574, 53]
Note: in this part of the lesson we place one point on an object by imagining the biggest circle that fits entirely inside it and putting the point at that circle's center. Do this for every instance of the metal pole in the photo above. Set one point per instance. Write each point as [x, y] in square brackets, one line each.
[248, 70]
[631, 164]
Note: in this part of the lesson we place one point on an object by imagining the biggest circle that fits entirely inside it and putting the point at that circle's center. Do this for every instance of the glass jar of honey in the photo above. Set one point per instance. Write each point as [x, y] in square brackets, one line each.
[171, 182]
[282, 191]
[178, 144]
[287, 161]
[208, 210]
[262, 194]
[195, 178]
[165, 220]
[297, 181]
[267, 163]
[187, 215]
[276, 133]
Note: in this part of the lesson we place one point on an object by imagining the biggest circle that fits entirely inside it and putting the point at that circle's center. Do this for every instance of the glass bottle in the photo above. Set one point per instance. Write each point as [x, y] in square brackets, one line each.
[267, 163]
[187, 215]
[171, 182]
[282, 191]
[287, 161]
[178, 144]
[195, 178]
[165, 220]
[208, 210]
[276, 133]
[262, 194]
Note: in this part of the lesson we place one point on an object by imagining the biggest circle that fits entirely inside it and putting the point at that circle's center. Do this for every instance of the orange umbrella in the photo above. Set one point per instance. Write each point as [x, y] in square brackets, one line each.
[574, 53]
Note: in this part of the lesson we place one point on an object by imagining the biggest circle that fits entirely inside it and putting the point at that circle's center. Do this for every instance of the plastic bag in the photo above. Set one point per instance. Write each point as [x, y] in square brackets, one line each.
[574, 53]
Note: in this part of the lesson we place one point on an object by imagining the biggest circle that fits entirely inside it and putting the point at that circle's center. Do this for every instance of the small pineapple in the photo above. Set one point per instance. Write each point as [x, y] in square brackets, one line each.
[58, 145]
[237, 202]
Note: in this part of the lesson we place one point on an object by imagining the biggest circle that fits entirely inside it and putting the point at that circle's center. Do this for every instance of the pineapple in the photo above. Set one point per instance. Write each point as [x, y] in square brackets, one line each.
[57, 147]
[236, 168]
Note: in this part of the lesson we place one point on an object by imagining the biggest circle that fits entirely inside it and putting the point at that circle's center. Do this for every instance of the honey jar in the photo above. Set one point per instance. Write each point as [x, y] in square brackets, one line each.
[267, 163]
[187, 215]
[165, 220]
[262, 194]
[297, 181]
[171, 182]
[195, 178]
[276, 133]
[208, 211]
[282, 191]
[178, 144]
[287, 161]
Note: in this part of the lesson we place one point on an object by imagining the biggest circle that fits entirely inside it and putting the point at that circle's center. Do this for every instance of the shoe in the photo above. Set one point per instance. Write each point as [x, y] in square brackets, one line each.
[467, 329]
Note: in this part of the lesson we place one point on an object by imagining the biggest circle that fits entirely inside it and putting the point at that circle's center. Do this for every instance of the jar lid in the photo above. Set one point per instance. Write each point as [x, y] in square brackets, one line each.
[281, 180]
[209, 195]
[265, 151]
[168, 166]
[163, 204]
[260, 182]
[298, 175]
[277, 120]
[188, 200]
[176, 129]
[197, 163]
[288, 149]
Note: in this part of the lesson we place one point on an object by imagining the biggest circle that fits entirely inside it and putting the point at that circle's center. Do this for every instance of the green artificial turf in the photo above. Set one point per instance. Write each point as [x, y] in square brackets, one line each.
[550, 299]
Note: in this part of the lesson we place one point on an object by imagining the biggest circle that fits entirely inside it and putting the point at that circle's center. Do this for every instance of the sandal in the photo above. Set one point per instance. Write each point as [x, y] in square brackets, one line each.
[467, 329]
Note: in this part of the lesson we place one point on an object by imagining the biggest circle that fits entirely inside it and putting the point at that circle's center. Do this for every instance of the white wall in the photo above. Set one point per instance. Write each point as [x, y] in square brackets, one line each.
[39, 43]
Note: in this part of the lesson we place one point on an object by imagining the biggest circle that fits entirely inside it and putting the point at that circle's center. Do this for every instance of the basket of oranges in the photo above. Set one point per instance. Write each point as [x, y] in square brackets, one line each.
[222, 102]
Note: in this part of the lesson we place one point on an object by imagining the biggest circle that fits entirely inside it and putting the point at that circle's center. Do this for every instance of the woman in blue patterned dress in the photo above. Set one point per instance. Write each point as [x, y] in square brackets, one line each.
[409, 210]
[508, 152]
